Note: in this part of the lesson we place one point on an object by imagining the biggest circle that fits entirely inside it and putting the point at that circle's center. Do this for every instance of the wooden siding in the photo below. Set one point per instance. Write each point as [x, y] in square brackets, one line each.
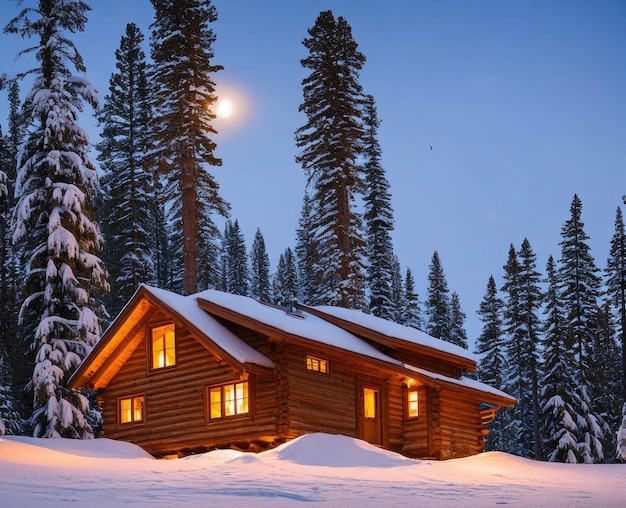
[175, 404]
[459, 426]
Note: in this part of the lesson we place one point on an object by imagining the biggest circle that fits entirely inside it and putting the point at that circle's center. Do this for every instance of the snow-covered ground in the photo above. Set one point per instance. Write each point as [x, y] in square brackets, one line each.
[320, 469]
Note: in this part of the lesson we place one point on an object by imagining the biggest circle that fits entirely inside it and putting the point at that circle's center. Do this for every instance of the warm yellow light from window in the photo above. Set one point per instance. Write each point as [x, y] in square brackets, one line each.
[316, 364]
[228, 400]
[369, 403]
[225, 108]
[131, 409]
[163, 346]
[413, 404]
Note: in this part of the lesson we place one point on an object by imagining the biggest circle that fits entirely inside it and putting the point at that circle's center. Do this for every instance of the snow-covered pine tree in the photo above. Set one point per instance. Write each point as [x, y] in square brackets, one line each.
[621, 437]
[209, 249]
[285, 282]
[19, 358]
[558, 398]
[397, 291]
[260, 273]
[437, 304]
[580, 291]
[182, 73]
[306, 251]
[412, 313]
[378, 219]
[10, 421]
[530, 300]
[458, 335]
[127, 218]
[331, 142]
[54, 220]
[491, 351]
[605, 365]
[236, 259]
[515, 383]
[616, 289]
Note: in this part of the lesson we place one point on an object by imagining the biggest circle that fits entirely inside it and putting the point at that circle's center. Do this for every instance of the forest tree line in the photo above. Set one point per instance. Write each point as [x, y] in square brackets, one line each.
[74, 248]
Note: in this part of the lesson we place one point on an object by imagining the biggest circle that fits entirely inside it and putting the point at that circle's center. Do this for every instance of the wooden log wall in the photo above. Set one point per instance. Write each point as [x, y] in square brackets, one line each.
[415, 442]
[175, 403]
[460, 425]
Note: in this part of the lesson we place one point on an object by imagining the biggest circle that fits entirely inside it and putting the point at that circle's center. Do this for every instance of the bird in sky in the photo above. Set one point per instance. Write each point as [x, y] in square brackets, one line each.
[430, 146]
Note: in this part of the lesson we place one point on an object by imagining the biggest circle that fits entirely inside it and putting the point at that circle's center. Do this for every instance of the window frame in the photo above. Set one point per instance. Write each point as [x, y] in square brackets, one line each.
[151, 339]
[310, 359]
[408, 390]
[222, 386]
[132, 398]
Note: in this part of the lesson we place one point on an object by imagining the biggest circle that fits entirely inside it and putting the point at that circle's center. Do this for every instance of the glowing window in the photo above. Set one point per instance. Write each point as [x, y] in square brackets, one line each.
[228, 400]
[131, 409]
[370, 403]
[316, 364]
[412, 403]
[163, 346]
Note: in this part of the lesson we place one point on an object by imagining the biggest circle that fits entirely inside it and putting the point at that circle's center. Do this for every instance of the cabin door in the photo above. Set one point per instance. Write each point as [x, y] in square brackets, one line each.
[371, 418]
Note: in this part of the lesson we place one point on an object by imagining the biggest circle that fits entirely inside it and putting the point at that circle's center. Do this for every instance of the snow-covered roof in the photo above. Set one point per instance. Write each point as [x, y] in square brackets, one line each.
[308, 327]
[187, 308]
[395, 330]
[314, 328]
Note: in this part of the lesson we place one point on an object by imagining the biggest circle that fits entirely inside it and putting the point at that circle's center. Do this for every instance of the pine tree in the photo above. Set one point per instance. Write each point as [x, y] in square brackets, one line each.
[182, 50]
[128, 223]
[55, 222]
[437, 304]
[260, 274]
[397, 291]
[306, 251]
[19, 360]
[616, 289]
[458, 335]
[378, 219]
[285, 284]
[558, 398]
[514, 438]
[411, 314]
[491, 350]
[621, 437]
[235, 259]
[580, 291]
[530, 300]
[331, 142]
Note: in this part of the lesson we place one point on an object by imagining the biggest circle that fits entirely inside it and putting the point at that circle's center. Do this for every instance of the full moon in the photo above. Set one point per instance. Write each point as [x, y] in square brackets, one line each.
[224, 108]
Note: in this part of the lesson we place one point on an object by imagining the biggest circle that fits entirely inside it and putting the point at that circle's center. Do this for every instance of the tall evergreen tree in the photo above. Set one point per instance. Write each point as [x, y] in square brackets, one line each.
[530, 301]
[411, 314]
[55, 220]
[306, 251]
[437, 304]
[260, 273]
[285, 284]
[128, 222]
[458, 335]
[19, 361]
[378, 219]
[580, 291]
[397, 291]
[514, 437]
[331, 142]
[491, 351]
[182, 51]
[236, 259]
[558, 398]
[616, 289]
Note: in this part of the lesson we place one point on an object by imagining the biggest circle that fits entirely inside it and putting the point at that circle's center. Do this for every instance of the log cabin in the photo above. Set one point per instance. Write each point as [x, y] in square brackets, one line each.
[178, 375]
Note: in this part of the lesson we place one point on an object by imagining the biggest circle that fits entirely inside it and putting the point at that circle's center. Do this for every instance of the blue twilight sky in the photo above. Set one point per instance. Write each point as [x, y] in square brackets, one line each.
[524, 103]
